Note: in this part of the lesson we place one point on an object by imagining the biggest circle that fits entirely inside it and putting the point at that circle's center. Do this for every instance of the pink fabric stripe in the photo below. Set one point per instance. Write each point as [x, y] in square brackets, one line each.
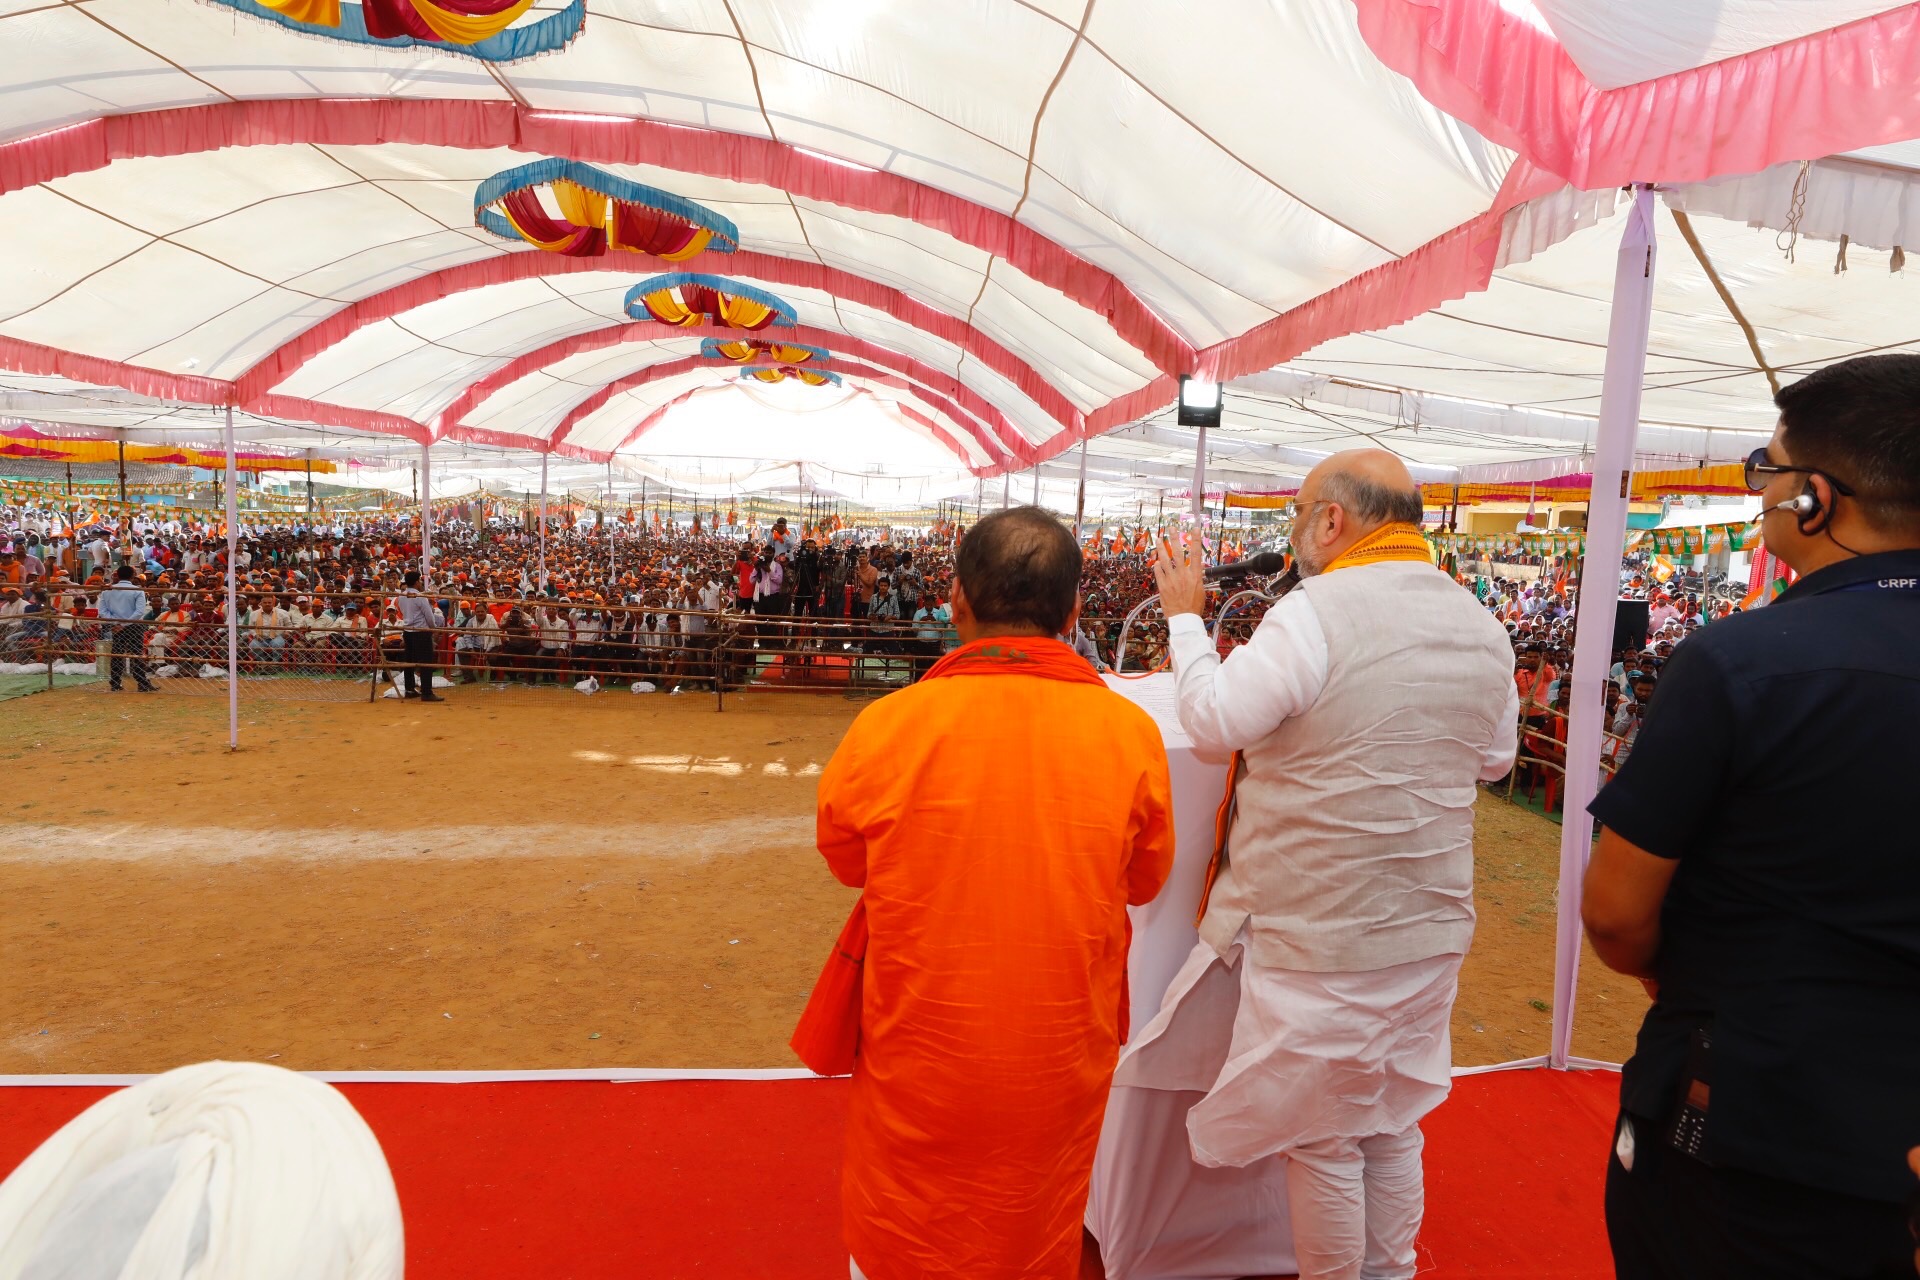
[1832, 91]
[521, 440]
[885, 359]
[339, 415]
[281, 364]
[22, 431]
[1002, 440]
[854, 369]
[528, 265]
[481, 125]
[1131, 408]
[30, 357]
[938, 432]
[1450, 266]
[647, 423]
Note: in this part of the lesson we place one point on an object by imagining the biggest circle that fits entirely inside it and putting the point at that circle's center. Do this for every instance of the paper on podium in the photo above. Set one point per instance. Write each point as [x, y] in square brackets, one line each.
[1155, 695]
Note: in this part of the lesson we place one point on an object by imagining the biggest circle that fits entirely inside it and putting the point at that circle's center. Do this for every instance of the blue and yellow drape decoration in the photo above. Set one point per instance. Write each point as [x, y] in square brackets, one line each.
[690, 301]
[597, 213]
[482, 29]
[748, 350]
[781, 372]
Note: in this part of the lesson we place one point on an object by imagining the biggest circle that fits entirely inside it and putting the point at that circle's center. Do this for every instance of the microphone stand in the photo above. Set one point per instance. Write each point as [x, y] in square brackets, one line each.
[1277, 586]
[1120, 650]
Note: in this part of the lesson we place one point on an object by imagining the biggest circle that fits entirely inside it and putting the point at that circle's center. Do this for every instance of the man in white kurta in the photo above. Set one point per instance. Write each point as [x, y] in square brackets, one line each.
[1311, 1021]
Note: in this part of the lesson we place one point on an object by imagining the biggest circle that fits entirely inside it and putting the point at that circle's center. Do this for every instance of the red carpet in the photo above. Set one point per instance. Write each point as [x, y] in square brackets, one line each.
[588, 1181]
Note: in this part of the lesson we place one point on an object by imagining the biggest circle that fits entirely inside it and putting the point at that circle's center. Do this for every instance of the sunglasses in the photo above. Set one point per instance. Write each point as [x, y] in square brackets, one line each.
[1758, 469]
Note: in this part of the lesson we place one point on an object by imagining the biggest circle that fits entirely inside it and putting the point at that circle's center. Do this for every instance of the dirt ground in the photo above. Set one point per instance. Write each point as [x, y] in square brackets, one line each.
[512, 880]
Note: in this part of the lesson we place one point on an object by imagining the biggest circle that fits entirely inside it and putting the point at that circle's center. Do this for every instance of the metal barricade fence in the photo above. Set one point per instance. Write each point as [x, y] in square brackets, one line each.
[351, 647]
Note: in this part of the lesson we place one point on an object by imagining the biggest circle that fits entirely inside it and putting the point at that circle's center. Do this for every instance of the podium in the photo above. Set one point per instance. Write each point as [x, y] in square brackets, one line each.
[1157, 1214]
[1163, 930]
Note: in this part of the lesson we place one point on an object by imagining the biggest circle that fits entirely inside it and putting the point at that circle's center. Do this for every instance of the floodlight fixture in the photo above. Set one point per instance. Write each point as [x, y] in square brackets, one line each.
[1200, 402]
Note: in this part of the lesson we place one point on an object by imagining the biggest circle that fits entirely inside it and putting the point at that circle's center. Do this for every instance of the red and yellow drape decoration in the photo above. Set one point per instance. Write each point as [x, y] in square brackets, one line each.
[452, 21]
[695, 301]
[752, 350]
[781, 372]
[465, 25]
[61, 449]
[593, 212]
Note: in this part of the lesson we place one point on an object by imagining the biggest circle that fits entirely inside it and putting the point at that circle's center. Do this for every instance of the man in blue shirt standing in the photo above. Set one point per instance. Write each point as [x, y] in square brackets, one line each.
[418, 619]
[124, 607]
[1757, 870]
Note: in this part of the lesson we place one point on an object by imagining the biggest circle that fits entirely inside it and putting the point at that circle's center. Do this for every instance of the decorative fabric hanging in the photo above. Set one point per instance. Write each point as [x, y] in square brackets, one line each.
[781, 372]
[1648, 486]
[482, 29]
[694, 301]
[26, 443]
[748, 350]
[1738, 536]
[595, 212]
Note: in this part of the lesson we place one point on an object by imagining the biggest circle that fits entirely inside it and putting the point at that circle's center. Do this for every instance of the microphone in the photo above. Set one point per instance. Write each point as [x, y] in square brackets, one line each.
[1262, 565]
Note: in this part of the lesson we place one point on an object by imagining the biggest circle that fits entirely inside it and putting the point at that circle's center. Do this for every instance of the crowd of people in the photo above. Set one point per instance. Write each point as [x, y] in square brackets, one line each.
[1538, 613]
[324, 599]
[586, 601]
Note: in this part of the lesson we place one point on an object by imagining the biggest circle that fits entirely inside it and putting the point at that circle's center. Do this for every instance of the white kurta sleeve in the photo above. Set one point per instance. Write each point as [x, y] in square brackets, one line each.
[1279, 672]
[1506, 739]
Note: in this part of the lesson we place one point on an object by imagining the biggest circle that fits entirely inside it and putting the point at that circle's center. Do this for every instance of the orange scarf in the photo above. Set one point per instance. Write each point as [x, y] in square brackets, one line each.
[1388, 543]
[1016, 656]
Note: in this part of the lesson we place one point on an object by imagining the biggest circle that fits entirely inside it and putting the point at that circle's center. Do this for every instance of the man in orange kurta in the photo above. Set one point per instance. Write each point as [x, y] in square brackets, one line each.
[1000, 815]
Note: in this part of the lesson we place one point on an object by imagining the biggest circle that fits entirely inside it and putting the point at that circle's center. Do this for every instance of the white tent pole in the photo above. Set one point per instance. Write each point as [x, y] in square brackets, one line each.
[233, 598]
[1006, 490]
[542, 584]
[1036, 484]
[426, 518]
[1599, 589]
[1080, 505]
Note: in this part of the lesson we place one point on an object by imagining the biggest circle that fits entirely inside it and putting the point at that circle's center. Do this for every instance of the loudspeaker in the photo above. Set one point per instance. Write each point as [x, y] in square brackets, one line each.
[1630, 625]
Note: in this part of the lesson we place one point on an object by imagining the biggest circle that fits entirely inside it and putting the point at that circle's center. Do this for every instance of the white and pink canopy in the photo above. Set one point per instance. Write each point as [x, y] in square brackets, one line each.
[1012, 223]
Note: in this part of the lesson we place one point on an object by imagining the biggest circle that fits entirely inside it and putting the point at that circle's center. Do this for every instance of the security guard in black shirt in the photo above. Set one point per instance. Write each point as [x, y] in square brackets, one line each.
[1759, 868]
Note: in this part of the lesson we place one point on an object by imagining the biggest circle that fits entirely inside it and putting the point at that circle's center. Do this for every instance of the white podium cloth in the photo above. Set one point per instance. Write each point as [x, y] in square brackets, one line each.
[219, 1171]
[1163, 930]
[1157, 1214]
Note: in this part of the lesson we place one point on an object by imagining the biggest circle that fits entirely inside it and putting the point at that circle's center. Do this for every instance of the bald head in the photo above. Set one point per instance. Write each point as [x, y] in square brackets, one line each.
[1371, 484]
[1345, 498]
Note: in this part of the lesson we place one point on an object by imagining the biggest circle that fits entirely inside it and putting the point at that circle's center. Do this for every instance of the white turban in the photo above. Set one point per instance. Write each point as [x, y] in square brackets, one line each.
[220, 1171]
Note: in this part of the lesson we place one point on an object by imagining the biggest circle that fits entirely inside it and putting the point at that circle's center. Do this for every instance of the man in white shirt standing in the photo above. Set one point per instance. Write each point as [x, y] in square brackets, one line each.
[711, 595]
[1311, 1021]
